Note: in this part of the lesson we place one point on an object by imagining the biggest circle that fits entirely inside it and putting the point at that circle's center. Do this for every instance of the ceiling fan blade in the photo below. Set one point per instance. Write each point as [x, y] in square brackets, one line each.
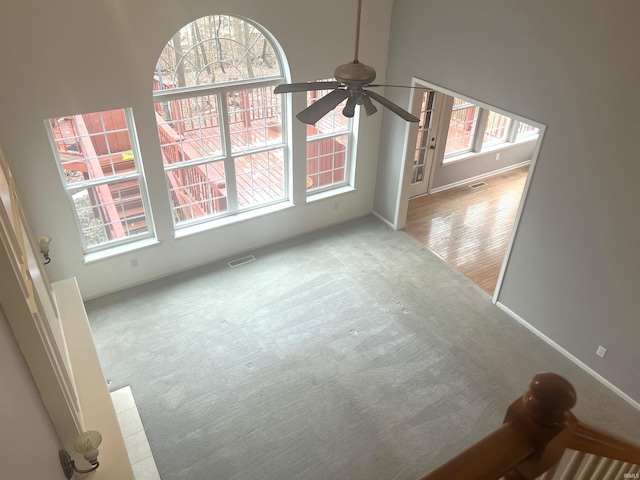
[350, 108]
[305, 87]
[319, 109]
[368, 105]
[392, 106]
[397, 86]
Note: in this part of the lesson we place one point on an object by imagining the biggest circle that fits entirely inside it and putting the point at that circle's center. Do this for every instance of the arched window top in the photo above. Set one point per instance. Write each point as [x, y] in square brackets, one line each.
[217, 49]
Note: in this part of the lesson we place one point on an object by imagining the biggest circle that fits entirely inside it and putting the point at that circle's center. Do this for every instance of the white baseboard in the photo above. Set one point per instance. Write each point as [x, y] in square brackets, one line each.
[479, 177]
[384, 220]
[571, 357]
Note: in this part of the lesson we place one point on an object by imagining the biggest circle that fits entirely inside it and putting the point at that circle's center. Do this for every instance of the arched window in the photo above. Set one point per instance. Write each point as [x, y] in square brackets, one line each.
[223, 146]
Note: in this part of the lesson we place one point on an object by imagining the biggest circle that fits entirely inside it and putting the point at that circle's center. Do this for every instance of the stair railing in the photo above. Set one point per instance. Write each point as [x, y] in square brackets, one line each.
[537, 431]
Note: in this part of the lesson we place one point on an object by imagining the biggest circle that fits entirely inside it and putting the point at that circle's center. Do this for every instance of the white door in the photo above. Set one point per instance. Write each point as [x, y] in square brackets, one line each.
[423, 153]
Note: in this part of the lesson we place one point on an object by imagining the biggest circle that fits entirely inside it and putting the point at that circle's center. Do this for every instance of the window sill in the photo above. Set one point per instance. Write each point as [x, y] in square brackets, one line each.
[493, 148]
[314, 197]
[231, 219]
[119, 250]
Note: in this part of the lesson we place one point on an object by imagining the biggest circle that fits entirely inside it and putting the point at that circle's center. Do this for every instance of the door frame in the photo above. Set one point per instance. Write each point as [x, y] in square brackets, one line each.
[432, 150]
[410, 139]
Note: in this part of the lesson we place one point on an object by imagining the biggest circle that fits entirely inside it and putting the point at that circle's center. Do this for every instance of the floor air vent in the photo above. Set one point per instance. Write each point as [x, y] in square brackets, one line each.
[478, 185]
[241, 261]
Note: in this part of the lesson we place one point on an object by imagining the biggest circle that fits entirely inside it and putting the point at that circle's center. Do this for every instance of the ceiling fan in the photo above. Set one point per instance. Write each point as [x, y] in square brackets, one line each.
[352, 81]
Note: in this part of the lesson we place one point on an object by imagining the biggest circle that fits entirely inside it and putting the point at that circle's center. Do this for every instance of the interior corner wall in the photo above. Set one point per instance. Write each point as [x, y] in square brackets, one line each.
[574, 270]
[61, 58]
[27, 432]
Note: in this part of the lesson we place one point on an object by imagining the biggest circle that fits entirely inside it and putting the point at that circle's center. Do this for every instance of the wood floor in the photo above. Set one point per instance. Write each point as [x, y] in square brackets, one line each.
[470, 228]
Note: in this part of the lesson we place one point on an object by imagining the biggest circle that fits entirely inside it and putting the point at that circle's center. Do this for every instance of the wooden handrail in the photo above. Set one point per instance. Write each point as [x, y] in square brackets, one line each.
[537, 429]
[588, 439]
[472, 464]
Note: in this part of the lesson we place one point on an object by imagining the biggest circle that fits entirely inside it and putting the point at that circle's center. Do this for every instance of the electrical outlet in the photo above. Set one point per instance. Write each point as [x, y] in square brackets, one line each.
[601, 352]
[497, 156]
[134, 263]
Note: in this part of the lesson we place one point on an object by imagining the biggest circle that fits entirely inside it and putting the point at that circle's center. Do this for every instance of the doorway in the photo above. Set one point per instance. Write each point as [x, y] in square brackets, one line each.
[459, 143]
[469, 226]
[429, 103]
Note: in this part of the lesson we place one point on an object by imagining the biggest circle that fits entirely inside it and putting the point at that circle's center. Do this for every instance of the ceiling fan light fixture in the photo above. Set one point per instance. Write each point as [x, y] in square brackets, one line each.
[349, 109]
[368, 105]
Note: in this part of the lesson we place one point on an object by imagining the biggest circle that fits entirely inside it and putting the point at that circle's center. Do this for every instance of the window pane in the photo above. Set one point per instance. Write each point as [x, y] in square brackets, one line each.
[215, 49]
[93, 145]
[109, 212]
[260, 178]
[189, 129]
[223, 142]
[333, 122]
[461, 127]
[197, 192]
[497, 129]
[254, 119]
[327, 146]
[97, 157]
[326, 162]
[424, 134]
[525, 130]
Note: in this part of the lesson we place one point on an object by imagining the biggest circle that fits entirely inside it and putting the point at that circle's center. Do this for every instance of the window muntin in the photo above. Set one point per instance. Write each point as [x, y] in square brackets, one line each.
[526, 130]
[473, 131]
[189, 129]
[462, 126]
[254, 119]
[208, 181]
[98, 158]
[259, 178]
[424, 134]
[497, 129]
[219, 122]
[328, 143]
[216, 49]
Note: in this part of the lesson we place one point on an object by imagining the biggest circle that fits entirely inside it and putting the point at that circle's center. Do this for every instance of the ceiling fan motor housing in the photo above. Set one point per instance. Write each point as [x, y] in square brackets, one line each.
[355, 73]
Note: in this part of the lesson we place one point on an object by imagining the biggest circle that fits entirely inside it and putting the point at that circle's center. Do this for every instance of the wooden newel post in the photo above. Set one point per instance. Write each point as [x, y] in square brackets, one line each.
[543, 415]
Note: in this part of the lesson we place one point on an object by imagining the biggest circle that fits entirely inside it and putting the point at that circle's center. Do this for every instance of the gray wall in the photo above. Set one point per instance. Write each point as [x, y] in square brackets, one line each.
[29, 442]
[574, 272]
[481, 164]
[61, 57]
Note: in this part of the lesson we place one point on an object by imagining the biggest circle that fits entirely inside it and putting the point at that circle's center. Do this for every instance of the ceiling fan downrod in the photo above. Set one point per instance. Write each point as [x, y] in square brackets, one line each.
[351, 82]
[355, 56]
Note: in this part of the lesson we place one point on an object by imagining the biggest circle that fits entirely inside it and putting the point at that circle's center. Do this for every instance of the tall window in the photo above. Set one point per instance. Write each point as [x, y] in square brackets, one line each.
[328, 143]
[220, 127]
[99, 161]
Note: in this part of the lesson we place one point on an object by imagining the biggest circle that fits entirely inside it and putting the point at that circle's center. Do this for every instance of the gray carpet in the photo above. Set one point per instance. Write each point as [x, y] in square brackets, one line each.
[349, 353]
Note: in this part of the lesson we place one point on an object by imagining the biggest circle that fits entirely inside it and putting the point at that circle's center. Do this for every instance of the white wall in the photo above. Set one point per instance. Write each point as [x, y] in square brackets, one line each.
[62, 57]
[572, 65]
[29, 442]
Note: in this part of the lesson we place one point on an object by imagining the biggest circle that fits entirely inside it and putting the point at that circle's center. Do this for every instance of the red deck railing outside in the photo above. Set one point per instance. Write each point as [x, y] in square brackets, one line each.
[198, 191]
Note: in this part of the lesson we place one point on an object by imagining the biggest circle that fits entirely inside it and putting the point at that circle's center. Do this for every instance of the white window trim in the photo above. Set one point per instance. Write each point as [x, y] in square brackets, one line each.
[347, 167]
[339, 187]
[472, 143]
[110, 247]
[228, 157]
[477, 148]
